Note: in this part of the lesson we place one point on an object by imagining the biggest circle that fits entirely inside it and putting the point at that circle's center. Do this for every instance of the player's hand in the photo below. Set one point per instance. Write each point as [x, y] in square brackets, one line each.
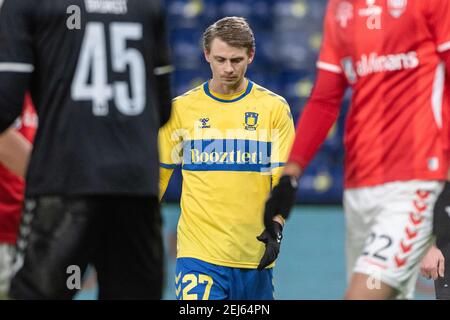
[272, 245]
[432, 265]
[441, 217]
[281, 201]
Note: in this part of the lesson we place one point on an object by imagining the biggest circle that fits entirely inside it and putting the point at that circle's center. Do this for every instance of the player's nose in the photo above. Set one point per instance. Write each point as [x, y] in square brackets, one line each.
[228, 67]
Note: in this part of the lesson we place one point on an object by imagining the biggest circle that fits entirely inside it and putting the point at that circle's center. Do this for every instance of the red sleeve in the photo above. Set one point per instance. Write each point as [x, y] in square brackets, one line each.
[329, 58]
[438, 18]
[319, 115]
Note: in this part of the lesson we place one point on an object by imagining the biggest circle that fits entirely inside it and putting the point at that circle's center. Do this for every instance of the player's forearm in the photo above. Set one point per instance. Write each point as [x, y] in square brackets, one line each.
[15, 151]
[318, 117]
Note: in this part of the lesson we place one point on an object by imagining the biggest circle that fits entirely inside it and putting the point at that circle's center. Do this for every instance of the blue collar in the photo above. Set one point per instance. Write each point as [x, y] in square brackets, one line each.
[247, 91]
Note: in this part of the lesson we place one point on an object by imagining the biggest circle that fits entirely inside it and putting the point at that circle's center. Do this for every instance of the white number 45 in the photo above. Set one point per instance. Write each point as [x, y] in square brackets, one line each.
[128, 98]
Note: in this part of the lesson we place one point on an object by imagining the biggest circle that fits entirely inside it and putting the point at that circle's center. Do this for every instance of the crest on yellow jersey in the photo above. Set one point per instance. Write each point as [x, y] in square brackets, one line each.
[251, 121]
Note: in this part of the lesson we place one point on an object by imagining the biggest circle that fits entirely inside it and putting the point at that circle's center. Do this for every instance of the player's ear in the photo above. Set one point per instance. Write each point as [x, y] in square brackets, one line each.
[251, 55]
[207, 55]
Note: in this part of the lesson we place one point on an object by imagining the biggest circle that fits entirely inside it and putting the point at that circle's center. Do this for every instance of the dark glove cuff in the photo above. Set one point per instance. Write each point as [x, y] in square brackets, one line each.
[277, 227]
[289, 181]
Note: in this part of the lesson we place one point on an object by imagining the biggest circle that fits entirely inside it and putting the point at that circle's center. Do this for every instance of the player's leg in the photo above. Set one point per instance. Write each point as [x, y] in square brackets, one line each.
[52, 246]
[6, 259]
[359, 284]
[360, 211]
[442, 285]
[359, 208]
[199, 280]
[252, 284]
[130, 259]
[389, 264]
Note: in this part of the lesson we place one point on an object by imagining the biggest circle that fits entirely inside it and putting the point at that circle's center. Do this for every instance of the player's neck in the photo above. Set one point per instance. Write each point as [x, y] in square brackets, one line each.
[217, 87]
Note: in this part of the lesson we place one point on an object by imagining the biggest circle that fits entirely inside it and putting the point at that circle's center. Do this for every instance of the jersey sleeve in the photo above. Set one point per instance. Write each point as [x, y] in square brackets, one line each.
[16, 58]
[163, 66]
[438, 18]
[170, 144]
[328, 57]
[283, 133]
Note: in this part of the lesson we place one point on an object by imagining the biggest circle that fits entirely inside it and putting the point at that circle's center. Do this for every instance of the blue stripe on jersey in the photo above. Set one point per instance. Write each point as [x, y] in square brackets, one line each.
[232, 167]
[277, 164]
[168, 166]
[208, 93]
[224, 167]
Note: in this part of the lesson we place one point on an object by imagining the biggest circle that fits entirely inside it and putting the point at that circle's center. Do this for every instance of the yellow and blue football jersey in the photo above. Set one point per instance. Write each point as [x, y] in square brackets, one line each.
[231, 149]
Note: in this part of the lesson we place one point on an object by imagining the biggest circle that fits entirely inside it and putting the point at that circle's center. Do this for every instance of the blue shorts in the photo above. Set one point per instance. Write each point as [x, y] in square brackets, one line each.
[199, 280]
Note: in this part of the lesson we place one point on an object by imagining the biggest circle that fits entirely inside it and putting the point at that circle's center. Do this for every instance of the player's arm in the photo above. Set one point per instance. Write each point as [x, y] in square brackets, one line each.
[15, 151]
[170, 139]
[282, 133]
[163, 66]
[16, 58]
[319, 115]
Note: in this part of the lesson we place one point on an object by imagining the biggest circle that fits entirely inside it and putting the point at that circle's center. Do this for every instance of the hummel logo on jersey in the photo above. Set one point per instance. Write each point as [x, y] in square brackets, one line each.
[204, 123]
[344, 12]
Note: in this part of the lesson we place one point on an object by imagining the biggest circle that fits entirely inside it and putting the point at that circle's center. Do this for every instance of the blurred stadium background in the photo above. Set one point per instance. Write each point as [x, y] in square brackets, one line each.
[288, 37]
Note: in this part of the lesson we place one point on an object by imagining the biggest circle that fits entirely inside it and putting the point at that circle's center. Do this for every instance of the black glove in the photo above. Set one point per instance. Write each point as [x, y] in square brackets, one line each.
[272, 245]
[281, 201]
[441, 217]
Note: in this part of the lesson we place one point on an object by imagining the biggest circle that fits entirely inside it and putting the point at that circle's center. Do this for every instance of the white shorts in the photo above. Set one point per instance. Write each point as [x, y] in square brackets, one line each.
[388, 231]
[6, 259]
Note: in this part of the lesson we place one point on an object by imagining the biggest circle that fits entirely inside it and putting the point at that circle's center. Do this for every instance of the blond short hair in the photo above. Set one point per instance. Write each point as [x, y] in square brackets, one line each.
[235, 31]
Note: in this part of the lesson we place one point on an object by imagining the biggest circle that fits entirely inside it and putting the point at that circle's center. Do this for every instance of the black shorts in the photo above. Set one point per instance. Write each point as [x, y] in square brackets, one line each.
[442, 285]
[120, 236]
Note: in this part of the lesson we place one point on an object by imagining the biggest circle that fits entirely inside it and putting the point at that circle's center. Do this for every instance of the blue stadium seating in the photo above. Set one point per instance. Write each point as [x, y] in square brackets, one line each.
[187, 48]
[185, 80]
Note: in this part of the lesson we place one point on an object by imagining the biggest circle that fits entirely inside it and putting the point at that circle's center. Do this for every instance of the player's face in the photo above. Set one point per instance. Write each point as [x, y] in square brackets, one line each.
[228, 64]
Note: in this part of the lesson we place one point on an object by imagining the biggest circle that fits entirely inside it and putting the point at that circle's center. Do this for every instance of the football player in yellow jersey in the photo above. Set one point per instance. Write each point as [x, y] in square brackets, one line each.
[231, 137]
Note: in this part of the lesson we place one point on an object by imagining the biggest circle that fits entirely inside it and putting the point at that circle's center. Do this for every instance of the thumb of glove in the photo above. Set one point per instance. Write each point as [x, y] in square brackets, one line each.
[263, 237]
